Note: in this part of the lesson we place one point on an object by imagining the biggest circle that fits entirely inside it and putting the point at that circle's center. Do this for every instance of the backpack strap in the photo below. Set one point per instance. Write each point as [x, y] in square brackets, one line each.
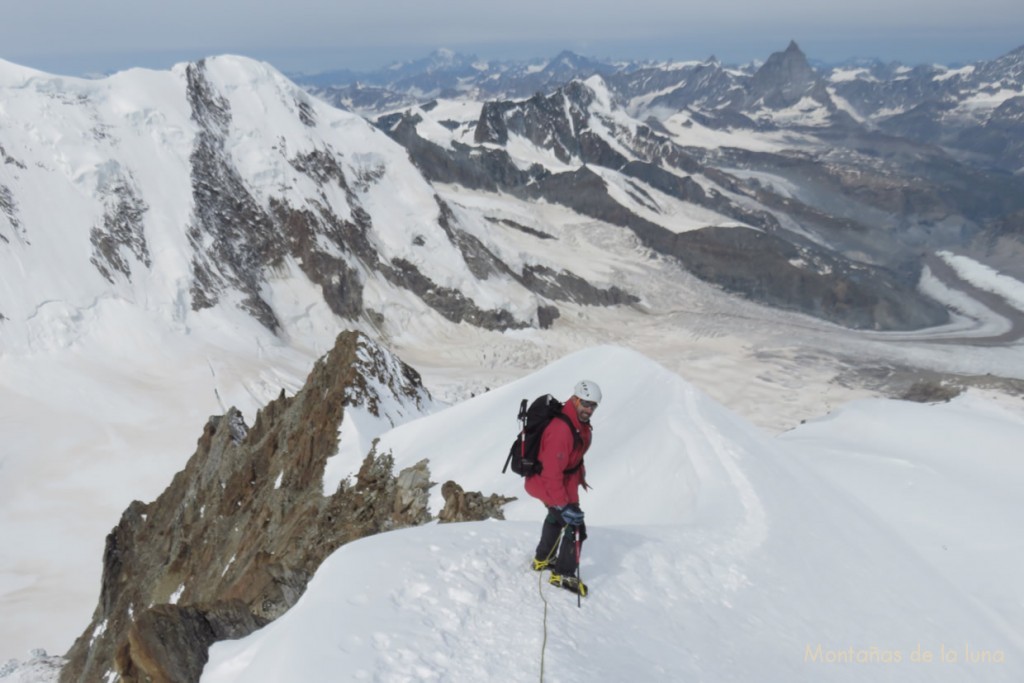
[577, 440]
[574, 468]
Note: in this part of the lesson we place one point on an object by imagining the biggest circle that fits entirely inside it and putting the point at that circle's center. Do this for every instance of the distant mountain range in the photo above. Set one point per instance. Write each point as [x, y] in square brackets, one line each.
[820, 192]
[859, 170]
[975, 109]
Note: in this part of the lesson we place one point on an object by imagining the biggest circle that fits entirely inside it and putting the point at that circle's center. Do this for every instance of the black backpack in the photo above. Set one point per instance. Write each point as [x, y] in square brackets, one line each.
[533, 420]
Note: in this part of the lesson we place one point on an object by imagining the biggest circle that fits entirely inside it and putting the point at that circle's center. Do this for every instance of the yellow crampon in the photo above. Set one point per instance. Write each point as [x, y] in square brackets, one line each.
[570, 583]
[541, 565]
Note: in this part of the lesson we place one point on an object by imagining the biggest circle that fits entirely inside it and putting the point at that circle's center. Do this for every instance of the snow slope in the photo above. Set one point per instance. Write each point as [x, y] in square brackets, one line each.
[946, 479]
[104, 388]
[714, 554]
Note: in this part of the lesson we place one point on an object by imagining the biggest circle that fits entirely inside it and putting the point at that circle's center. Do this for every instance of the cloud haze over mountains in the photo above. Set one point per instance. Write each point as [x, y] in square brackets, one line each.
[312, 36]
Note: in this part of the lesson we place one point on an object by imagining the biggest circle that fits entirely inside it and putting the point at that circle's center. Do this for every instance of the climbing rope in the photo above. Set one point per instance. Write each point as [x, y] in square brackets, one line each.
[544, 644]
[540, 589]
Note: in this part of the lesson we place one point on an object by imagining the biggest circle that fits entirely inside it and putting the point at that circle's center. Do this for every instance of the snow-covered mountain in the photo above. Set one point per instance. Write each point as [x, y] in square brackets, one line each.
[220, 180]
[966, 108]
[835, 201]
[175, 244]
[973, 110]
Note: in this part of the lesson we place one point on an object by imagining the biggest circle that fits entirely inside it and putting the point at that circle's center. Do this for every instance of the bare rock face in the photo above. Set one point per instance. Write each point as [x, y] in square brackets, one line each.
[157, 639]
[470, 506]
[232, 542]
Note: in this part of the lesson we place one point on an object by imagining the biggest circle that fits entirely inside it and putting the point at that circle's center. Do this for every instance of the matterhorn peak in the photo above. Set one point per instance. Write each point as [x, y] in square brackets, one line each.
[784, 78]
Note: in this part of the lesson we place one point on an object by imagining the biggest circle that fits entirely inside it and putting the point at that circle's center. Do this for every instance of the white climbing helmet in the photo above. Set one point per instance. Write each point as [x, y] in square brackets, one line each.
[588, 391]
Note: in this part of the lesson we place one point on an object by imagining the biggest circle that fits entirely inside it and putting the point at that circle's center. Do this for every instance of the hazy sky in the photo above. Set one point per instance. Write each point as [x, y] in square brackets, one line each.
[75, 37]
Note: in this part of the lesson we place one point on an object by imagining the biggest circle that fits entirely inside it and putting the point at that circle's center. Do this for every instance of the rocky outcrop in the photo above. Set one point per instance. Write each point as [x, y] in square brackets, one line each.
[471, 167]
[559, 122]
[237, 240]
[764, 267]
[566, 286]
[122, 229]
[232, 542]
[165, 643]
[808, 279]
[769, 265]
[9, 208]
[469, 506]
[233, 238]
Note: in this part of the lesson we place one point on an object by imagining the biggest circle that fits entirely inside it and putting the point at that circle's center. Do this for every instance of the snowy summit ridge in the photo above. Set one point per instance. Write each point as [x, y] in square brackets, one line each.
[711, 555]
[216, 181]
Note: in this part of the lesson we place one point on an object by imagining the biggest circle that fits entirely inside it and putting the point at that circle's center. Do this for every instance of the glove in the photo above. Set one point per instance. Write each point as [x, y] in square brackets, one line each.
[572, 515]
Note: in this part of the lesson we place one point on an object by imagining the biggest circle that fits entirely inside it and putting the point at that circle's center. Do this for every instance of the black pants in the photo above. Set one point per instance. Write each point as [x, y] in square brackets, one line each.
[564, 556]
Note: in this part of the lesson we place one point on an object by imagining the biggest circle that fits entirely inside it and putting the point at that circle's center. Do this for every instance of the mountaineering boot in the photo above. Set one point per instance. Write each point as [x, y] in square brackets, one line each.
[539, 565]
[569, 583]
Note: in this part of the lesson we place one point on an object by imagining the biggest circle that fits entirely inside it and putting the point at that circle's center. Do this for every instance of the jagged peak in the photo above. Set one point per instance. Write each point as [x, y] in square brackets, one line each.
[231, 543]
[1012, 63]
[599, 91]
[569, 56]
[387, 380]
[790, 65]
[360, 373]
[791, 55]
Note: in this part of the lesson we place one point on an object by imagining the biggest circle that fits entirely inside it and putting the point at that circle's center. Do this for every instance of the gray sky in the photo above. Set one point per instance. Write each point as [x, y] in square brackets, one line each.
[75, 37]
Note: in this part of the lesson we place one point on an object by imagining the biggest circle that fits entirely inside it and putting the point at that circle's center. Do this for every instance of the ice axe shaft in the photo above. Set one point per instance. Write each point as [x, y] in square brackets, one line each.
[522, 434]
[579, 581]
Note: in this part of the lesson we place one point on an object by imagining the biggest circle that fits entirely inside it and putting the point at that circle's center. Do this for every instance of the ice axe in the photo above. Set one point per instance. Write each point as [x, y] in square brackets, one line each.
[522, 434]
[579, 581]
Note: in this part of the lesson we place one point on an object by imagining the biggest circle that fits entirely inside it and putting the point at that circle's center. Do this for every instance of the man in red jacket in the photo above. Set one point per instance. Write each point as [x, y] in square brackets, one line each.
[558, 486]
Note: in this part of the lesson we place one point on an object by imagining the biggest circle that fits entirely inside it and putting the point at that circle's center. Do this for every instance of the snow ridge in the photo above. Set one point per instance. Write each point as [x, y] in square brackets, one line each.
[764, 572]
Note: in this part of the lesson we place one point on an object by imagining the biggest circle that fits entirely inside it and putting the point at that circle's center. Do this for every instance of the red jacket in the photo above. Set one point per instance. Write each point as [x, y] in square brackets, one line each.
[558, 452]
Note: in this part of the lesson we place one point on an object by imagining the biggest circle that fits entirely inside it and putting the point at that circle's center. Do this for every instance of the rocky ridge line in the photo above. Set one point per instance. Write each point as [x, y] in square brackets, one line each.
[232, 542]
